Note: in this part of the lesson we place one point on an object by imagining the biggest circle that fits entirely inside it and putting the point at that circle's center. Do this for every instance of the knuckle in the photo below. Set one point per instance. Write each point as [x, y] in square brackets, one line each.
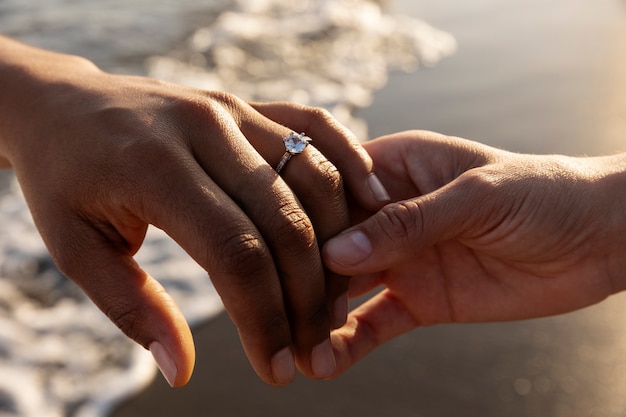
[312, 112]
[230, 103]
[293, 227]
[481, 179]
[243, 255]
[328, 181]
[202, 112]
[319, 116]
[127, 318]
[192, 109]
[226, 99]
[400, 220]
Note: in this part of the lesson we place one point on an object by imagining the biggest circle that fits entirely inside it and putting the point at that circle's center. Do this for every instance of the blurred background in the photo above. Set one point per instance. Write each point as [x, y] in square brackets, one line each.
[526, 75]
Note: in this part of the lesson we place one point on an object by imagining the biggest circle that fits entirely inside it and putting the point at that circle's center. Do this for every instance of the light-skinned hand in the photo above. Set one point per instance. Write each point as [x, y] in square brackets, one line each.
[477, 234]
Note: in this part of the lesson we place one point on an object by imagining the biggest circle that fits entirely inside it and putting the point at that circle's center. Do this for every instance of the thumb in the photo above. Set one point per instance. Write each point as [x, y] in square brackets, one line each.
[132, 300]
[93, 253]
[394, 234]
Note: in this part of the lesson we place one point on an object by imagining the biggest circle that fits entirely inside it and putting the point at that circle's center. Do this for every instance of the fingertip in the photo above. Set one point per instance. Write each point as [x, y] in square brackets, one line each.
[323, 361]
[138, 305]
[340, 342]
[174, 358]
[185, 357]
[172, 346]
[347, 250]
[165, 362]
[378, 190]
[357, 170]
[175, 370]
[283, 367]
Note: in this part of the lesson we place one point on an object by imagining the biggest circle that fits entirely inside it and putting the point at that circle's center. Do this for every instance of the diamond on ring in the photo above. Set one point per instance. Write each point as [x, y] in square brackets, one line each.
[294, 144]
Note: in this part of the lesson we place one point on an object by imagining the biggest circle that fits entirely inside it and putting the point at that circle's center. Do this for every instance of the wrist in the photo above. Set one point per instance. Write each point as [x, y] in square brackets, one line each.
[611, 193]
[31, 80]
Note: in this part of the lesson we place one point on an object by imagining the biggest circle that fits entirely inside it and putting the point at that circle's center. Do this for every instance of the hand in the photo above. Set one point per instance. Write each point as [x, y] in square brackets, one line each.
[478, 234]
[101, 156]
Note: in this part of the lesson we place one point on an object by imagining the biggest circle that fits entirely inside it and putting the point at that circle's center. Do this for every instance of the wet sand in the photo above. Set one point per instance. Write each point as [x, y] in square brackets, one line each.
[567, 366]
[529, 76]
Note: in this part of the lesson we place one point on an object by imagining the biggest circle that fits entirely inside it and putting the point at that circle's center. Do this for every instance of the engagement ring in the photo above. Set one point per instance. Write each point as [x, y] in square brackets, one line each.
[294, 144]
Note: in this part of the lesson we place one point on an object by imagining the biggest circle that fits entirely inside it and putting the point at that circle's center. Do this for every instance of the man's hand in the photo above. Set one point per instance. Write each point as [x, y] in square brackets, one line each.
[477, 234]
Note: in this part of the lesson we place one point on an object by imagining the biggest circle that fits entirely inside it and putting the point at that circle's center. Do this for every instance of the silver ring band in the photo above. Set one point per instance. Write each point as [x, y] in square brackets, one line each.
[283, 161]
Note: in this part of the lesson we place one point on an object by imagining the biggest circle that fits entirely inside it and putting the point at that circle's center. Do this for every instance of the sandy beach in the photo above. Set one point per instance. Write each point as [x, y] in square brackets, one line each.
[529, 76]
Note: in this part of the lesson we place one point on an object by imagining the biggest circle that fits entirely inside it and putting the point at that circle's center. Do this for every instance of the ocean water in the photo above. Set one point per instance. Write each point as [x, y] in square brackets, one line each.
[59, 356]
[529, 75]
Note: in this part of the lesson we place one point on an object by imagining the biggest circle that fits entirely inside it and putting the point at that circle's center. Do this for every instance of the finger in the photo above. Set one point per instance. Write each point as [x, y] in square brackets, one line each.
[220, 237]
[363, 284]
[337, 143]
[375, 322]
[397, 231]
[317, 184]
[319, 188]
[269, 270]
[131, 299]
[413, 163]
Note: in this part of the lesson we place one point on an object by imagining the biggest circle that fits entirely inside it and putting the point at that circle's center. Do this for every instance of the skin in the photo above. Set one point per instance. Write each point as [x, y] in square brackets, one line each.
[477, 234]
[100, 157]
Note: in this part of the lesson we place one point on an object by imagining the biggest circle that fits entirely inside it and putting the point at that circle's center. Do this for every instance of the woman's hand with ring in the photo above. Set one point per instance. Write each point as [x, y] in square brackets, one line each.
[101, 156]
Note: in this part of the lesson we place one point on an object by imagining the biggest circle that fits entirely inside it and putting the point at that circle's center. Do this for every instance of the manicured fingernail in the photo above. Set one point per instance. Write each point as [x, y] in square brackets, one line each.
[323, 360]
[164, 361]
[349, 248]
[377, 188]
[340, 311]
[283, 367]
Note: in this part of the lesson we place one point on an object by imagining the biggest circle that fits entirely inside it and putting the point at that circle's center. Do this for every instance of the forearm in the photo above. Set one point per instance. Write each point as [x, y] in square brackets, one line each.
[29, 80]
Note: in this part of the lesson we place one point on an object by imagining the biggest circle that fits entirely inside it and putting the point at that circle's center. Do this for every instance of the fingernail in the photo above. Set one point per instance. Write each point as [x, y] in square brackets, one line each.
[377, 188]
[340, 311]
[164, 361]
[283, 367]
[323, 360]
[349, 248]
